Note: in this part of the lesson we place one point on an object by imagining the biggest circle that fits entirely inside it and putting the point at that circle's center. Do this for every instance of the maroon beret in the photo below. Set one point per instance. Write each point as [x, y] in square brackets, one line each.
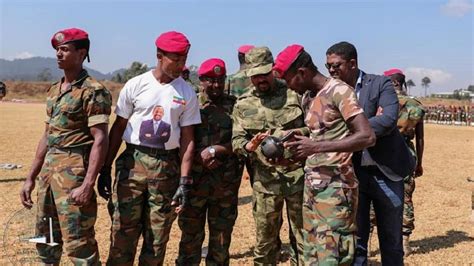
[286, 57]
[392, 71]
[245, 48]
[68, 35]
[213, 68]
[173, 42]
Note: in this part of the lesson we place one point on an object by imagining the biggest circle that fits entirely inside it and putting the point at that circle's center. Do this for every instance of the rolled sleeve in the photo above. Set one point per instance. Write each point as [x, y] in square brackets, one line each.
[98, 119]
[99, 107]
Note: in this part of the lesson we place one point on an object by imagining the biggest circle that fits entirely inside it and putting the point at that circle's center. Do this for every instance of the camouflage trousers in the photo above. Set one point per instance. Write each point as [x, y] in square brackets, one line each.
[408, 210]
[141, 205]
[329, 222]
[72, 225]
[267, 210]
[215, 196]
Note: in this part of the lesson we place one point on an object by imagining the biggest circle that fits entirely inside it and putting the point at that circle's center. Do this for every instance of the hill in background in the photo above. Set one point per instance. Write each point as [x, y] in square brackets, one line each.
[41, 69]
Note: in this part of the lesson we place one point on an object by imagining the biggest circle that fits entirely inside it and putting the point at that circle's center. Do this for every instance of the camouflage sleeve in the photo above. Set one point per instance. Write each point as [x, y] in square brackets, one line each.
[240, 137]
[345, 99]
[415, 111]
[98, 106]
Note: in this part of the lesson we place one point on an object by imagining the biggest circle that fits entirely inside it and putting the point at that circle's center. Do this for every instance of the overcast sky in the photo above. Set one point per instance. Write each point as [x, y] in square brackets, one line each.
[422, 37]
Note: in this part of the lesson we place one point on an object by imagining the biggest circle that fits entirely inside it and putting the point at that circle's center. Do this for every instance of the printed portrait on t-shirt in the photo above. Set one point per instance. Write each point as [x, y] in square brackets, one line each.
[155, 132]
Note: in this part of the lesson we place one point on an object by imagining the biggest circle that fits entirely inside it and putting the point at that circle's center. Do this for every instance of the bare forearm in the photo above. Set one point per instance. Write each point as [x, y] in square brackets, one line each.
[115, 140]
[96, 159]
[420, 142]
[40, 154]
[186, 150]
[352, 143]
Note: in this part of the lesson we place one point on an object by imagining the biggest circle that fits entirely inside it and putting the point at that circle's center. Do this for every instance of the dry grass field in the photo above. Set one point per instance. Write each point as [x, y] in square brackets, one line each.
[444, 233]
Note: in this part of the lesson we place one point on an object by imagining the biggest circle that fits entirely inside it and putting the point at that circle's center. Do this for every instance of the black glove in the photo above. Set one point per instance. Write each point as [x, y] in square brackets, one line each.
[181, 196]
[104, 183]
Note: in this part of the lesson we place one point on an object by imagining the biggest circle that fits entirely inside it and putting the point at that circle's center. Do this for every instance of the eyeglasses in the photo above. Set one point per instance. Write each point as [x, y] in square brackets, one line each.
[213, 80]
[334, 66]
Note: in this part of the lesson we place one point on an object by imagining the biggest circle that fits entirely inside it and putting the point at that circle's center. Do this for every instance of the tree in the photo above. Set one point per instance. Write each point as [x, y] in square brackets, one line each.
[410, 84]
[135, 69]
[425, 83]
[470, 88]
[45, 75]
[117, 78]
[193, 75]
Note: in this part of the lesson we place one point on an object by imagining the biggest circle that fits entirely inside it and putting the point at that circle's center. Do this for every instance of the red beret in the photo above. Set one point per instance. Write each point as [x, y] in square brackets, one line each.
[245, 48]
[173, 42]
[286, 57]
[392, 71]
[213, 68]
[68, 35]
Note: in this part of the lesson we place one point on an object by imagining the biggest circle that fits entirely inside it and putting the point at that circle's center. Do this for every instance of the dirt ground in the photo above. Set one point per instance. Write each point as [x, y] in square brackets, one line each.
[444, 231]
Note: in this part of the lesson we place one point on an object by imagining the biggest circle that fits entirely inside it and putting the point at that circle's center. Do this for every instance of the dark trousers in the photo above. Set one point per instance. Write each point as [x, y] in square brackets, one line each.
[387, 198]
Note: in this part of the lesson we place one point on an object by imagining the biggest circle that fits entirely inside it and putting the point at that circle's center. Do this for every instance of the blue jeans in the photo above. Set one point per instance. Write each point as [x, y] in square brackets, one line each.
[387, 198]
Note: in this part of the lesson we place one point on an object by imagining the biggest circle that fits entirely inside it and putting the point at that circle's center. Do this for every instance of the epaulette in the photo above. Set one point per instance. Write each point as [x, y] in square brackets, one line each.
[92, 83]
[52, 85]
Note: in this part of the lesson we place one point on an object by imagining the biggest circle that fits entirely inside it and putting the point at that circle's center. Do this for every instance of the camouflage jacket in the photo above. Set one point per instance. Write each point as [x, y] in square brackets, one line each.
[237, 84]
[326, 117]
[275, 110]
[216, 129]
[71, 113]
[410, 114]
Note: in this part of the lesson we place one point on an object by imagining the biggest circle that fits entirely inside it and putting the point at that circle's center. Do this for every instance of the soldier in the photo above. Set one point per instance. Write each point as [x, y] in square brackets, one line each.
[185, 76]
[410, 124]
[238, 83]
[217, 173]
[338, 127]
[269, 108]
[147, 173]
[69, 156]
[3, 90]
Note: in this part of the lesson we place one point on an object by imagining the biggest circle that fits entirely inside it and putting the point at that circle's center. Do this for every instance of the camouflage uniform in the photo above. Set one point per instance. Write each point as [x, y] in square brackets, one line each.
[331, 187]
[145, 183]
[256, 112]
[215, 192]
[70, 115]
[410, 114]
[147, 175]
[3, 90]
[238, 83]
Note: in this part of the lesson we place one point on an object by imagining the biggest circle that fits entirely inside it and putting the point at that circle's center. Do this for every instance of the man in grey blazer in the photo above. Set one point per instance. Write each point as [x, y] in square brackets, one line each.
[381, 168]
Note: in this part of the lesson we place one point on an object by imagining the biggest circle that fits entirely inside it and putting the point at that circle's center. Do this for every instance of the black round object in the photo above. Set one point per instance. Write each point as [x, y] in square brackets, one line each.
[272, 147]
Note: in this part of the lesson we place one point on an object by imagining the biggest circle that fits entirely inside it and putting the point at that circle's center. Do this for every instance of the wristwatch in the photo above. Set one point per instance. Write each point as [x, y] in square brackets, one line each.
[212, 151]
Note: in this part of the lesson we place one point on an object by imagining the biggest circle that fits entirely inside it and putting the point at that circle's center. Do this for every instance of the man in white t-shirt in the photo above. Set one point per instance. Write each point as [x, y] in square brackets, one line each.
[152, 175]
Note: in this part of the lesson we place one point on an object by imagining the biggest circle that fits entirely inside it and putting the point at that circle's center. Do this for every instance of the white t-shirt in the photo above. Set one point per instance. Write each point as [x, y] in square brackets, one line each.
[138, 99]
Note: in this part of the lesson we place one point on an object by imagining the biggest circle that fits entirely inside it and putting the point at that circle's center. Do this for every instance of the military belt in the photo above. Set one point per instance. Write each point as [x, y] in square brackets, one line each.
[69, 150]
[153, 152]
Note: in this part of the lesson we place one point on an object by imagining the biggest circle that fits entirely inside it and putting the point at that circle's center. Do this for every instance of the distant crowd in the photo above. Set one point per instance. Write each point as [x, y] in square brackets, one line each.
[449, 115]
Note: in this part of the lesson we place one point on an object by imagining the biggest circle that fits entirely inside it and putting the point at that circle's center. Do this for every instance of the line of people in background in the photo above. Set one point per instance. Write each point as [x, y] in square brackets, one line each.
[347, 148]
[450, 115]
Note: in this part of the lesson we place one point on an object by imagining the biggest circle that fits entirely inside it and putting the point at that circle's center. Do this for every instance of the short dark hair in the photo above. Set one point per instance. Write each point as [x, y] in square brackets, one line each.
[82, 44]
[303, 60]
[343, 49]
[241, 57]
[400, 78]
